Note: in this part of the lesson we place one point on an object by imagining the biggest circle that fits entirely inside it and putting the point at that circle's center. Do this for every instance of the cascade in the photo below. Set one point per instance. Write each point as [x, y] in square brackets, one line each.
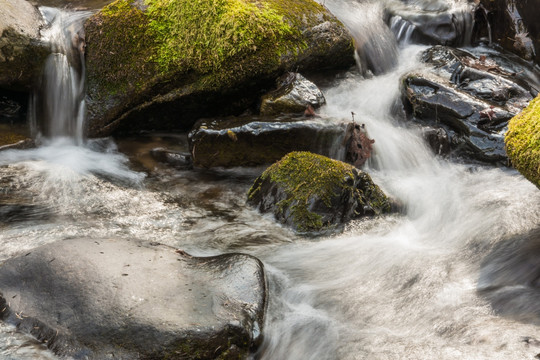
[57, 107]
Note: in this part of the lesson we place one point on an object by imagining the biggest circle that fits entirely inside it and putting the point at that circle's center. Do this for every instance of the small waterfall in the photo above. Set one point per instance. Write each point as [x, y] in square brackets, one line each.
[402, 29]
[57, 107]
[376, 45]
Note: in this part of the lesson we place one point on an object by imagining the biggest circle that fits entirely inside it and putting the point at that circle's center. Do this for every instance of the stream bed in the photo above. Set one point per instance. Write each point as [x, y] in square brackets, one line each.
[410, 285]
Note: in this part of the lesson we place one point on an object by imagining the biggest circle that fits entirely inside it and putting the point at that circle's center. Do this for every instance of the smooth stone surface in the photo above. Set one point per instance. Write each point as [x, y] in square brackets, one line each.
[101, 298]
[22, 54]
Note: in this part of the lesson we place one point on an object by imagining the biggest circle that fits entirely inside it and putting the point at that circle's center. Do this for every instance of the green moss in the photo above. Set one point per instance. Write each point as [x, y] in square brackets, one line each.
[203, 34]
[304, 175]
[523, 142]
[121, 47]
[223, 40]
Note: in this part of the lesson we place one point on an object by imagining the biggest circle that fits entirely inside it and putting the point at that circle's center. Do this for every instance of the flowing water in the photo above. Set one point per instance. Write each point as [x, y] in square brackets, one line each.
[402, 286]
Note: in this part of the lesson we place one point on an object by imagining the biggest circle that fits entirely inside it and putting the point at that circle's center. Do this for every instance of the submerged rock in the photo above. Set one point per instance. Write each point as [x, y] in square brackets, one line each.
[522, 143]
[165, 65]
[178, 159]
[252, 141]
[22, 54]
[294, 94]
[471, 97]
[96, 299]
[314, 194]
[509, 278]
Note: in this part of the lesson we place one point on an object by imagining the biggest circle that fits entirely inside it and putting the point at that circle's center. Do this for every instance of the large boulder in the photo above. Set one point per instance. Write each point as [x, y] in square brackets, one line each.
[522, 143]
[470, 96]
[112, 298]
[164, 65]
[252, 141]
[314, 194]
[22, 53]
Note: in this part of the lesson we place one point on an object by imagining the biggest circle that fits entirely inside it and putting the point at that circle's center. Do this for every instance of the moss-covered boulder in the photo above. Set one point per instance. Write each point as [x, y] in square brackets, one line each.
[523, 141]
[163, 64]
[22, 54]
[314, 194]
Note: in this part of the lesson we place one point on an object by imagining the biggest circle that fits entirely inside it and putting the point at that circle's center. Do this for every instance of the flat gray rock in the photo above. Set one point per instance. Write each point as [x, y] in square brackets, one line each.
[113, 298]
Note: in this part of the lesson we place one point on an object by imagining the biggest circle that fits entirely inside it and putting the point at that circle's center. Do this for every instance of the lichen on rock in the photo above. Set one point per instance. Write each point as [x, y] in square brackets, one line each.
[523, 141]
[314, 194]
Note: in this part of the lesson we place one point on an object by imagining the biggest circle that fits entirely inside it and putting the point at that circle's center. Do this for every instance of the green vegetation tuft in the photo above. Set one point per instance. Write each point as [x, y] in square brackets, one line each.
[203, 34]
[523, 142]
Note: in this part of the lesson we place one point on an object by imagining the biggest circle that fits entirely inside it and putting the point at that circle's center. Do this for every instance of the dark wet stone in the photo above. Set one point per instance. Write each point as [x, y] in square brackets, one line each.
[95, 299]
[252, 141]
[177, 159]
[510, 278]
[294, 94]
[315, 195]
[471, 93]
[437, 139]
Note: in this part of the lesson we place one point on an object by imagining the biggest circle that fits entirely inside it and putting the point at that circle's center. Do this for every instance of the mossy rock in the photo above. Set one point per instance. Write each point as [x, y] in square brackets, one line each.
[314, 194]
[523, 141]
[163, 64]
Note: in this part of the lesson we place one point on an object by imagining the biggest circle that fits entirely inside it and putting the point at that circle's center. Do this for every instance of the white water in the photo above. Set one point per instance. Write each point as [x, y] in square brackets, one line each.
[402, 286]
[405, 286]
[58, 109]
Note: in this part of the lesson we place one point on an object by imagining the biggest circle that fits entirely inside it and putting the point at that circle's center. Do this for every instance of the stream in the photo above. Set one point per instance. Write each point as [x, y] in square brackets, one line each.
[400, 286]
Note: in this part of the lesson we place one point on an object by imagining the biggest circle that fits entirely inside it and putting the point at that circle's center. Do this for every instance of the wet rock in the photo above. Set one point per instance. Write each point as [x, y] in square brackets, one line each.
[294, 94]
[314, 194]
[93, 299]
[437, 139]
[471, 95]
[178, 159]
[252, 141]
[522, 143]
[22, 54]
[511, 24]
[510, 278]
[138, 78]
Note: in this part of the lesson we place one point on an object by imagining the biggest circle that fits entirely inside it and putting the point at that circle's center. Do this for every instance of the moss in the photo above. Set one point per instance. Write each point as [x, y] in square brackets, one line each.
[121, 48]
[523, 142]
[304, 176]
[8, 138]
[223, 40]
[203, 34]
